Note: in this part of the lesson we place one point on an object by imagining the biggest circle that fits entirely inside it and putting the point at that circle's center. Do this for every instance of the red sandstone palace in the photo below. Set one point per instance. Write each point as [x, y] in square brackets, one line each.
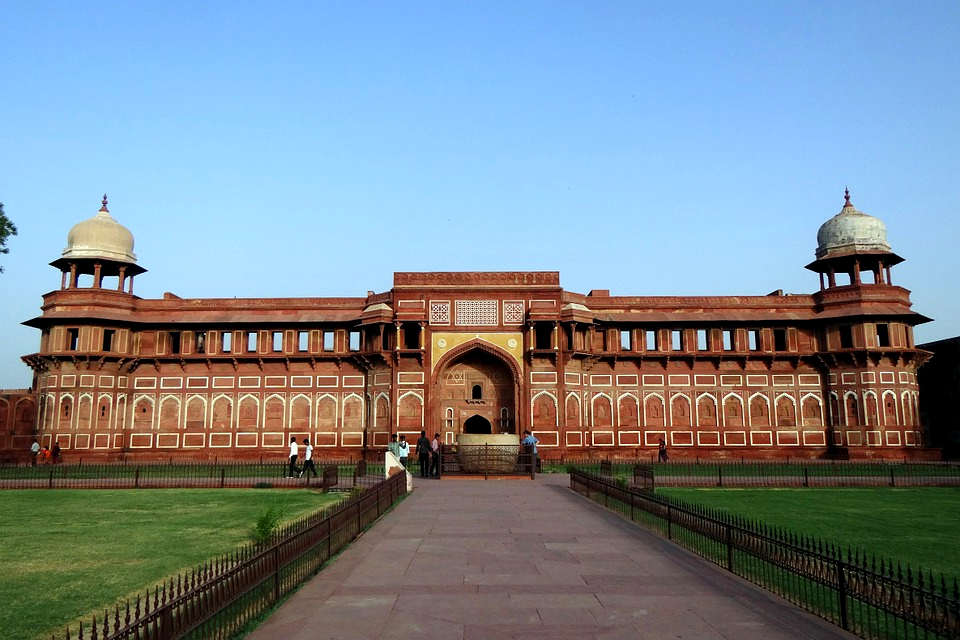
[831, 373]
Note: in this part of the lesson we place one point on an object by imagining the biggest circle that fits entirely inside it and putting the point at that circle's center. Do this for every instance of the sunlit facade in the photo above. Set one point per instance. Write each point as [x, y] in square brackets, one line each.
[827, 374]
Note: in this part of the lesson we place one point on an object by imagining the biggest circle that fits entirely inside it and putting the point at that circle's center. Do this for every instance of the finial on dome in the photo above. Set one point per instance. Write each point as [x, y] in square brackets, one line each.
[104, 204]
[846, 197]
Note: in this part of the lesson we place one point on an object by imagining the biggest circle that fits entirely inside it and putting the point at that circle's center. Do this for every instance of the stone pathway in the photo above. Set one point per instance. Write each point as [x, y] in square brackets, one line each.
[484, 560]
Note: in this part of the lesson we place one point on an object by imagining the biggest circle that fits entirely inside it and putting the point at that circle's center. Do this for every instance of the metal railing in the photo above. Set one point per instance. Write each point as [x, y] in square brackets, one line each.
[220, 598]
[487, 460]
[869, 599]
[797, 473]
[332, 475]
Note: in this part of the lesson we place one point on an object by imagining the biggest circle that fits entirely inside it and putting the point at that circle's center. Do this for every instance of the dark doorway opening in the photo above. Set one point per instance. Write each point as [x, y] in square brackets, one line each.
[477, 424]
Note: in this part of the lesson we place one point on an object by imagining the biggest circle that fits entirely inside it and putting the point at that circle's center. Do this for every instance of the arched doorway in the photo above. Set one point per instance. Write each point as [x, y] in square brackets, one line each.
[477, 424]
[476, 393]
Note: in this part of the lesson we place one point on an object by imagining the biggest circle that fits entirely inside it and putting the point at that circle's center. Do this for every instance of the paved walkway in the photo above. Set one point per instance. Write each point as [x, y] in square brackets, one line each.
[484, 560]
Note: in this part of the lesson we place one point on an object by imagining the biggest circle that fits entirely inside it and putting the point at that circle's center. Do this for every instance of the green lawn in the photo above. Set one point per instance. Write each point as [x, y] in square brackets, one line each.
[917, 526]
[66, 554]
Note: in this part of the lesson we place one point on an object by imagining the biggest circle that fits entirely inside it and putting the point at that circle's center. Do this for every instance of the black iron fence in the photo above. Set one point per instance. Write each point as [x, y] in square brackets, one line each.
[798, 473]
[220, 598]
[331, 475]
[488, 460]
[869, 598]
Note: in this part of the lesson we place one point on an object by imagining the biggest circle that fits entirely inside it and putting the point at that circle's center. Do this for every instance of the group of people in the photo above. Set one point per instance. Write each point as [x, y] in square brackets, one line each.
[428, 453]
[294, 471]
[45, 455]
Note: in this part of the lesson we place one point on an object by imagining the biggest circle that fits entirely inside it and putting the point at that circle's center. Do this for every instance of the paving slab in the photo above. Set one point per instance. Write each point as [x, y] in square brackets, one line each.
[491, 559]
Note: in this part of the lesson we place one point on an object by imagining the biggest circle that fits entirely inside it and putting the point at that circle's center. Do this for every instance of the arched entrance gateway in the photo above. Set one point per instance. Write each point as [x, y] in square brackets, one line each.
[477, 393]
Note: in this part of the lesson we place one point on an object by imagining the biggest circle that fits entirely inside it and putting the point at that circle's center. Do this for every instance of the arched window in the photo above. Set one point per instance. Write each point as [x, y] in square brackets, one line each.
[477, 392]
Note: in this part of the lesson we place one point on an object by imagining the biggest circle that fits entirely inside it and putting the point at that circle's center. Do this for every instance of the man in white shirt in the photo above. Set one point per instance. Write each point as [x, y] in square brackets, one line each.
[294, 451]
[308, 458]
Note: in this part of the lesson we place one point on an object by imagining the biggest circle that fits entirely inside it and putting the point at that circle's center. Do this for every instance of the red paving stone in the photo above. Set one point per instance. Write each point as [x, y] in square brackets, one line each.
[484, 560]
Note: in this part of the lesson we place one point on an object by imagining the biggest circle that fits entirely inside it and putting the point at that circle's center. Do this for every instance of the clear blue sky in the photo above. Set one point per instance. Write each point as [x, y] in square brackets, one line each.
[313, 148]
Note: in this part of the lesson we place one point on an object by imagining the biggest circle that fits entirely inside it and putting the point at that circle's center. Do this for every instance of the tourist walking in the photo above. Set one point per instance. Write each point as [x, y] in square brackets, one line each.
[423, 453]
[404, 449]
[394, 446]
[308, 458]
[294, 452]
[34, 452]
[56, 453]
[435, 456]
[662, 451]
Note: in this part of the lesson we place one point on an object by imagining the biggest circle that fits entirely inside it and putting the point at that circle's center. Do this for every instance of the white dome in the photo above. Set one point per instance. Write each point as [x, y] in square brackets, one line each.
[100, 237]
[851, 231]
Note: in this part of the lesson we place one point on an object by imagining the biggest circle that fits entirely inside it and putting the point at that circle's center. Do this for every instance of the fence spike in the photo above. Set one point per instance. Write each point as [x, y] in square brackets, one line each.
[93, 629]
[106, 623]
[116, 617]
[126, 619]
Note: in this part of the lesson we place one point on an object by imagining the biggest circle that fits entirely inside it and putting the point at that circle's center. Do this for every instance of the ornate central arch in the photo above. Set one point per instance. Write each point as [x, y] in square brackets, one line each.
[482, 345]
[475, 380]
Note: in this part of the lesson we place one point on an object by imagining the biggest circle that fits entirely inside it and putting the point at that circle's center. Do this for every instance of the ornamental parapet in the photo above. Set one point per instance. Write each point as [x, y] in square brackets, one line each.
[477, 278]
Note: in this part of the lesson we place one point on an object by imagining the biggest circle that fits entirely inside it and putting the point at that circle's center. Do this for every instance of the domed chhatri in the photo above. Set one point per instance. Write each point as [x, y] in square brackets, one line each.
[100, 237]
[851, 231]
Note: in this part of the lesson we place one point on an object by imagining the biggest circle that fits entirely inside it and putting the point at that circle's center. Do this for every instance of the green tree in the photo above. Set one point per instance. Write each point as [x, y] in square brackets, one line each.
[7, 229]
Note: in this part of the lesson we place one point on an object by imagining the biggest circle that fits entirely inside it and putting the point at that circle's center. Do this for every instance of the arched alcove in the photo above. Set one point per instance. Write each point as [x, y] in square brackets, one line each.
[477, 424]
[476, 383]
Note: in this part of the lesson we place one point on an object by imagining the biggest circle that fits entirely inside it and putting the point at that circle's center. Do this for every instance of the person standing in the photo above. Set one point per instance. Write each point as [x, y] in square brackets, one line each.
[34, 452]
[308, 458]
[404, 449]
[435, 456]
[532, 442]
[662, 451]
[528, 439]
[394, 446]
[56, 453]
[294, 452]
[423, 453]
